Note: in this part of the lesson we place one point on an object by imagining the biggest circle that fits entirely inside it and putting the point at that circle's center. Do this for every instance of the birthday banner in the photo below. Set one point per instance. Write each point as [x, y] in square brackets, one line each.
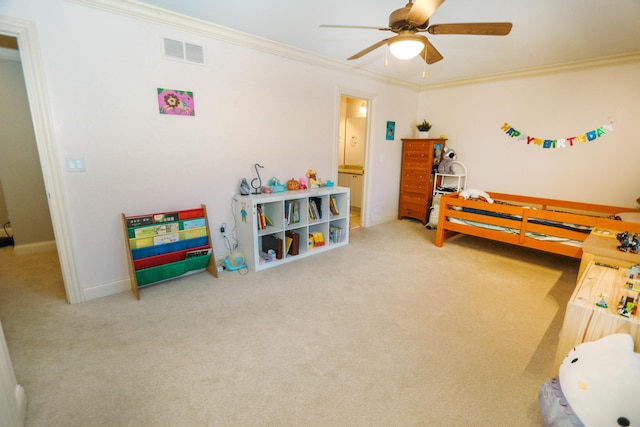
[560, 142]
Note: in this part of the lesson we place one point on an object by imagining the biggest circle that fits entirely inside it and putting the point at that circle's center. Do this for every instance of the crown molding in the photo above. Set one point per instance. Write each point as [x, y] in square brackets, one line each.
[142, 11]
[185, 23]
[625, 58]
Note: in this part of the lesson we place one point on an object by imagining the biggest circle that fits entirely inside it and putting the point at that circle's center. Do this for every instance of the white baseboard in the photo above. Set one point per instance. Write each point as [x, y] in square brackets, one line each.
[107, 289]
[34, 248]
[21, 398]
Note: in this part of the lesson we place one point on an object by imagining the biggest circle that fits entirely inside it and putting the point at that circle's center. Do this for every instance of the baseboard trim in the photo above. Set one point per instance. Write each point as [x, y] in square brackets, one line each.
[21, 398]
[107, 289]
[34, 248]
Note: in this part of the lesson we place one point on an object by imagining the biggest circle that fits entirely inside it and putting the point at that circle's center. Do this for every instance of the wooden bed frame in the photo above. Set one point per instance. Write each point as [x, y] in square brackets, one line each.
[582, 214]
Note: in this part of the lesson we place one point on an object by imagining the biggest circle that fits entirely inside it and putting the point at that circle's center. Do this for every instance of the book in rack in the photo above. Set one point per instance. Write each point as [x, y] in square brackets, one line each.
[290, 225]
[167, 245]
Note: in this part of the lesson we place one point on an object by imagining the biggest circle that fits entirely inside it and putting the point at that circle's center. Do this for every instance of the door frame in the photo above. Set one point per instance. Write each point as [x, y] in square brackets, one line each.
[351, 93]
[32, 69]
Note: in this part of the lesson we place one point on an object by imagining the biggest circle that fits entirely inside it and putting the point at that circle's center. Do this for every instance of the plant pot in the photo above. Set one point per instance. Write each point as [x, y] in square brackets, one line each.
[423, 134]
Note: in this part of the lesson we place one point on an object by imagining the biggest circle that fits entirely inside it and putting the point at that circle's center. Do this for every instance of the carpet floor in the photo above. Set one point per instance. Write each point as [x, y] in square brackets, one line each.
[387, 331]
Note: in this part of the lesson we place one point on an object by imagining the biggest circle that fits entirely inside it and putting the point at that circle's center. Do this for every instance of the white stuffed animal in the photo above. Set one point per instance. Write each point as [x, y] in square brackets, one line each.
[472, 193]
[601, 381]
[448, 156]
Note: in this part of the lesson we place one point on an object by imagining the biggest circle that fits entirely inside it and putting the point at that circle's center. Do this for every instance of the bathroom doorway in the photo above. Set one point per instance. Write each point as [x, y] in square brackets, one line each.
[352, 152]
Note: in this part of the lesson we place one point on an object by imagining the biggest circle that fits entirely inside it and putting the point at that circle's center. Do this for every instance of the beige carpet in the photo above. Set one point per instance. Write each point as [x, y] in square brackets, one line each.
[388, 331]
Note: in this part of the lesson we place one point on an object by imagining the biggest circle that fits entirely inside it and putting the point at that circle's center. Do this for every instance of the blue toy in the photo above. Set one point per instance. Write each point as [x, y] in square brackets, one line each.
[628, 242]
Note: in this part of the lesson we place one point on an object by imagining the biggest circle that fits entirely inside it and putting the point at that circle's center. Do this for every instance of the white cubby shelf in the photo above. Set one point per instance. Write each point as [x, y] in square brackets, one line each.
[287, 223]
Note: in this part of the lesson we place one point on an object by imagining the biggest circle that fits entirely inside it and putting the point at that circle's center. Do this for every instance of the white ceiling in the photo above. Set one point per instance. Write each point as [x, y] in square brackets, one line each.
[545, 32]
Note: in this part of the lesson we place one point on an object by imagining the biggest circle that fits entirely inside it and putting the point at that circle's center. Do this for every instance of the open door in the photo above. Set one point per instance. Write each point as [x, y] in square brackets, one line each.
[352, 152]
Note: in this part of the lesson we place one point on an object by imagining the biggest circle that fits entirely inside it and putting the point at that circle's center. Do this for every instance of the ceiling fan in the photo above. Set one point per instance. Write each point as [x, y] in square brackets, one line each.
[412, 19]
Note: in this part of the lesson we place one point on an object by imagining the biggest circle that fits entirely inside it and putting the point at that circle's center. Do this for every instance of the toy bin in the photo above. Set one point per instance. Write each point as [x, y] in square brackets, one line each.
[172, 270]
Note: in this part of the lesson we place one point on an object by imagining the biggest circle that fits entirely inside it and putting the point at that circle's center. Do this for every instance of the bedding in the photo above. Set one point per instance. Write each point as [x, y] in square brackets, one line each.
[550, 225]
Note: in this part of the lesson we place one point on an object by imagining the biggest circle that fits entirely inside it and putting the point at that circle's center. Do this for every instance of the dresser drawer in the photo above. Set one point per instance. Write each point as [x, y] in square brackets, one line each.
[416, 175]
[417, 198]
[413, 211]
[416, 156]
[418, 146]
[422, 165]
[415, 187]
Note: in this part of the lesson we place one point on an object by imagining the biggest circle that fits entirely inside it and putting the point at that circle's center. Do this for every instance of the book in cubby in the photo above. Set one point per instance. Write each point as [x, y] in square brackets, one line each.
[167, 245]
[315, 208]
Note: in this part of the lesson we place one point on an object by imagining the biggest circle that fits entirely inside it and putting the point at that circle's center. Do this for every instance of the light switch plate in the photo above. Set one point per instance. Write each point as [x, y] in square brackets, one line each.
[75, 164]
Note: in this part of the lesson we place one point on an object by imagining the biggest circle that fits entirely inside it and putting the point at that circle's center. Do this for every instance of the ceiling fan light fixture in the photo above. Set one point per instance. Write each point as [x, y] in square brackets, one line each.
[406, 49]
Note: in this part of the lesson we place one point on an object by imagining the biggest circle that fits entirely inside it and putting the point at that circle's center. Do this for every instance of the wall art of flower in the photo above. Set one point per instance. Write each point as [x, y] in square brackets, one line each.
[179, 102]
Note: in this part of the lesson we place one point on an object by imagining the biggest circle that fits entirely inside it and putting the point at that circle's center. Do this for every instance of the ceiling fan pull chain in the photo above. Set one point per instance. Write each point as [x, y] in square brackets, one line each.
[424, 70]
[386, 53]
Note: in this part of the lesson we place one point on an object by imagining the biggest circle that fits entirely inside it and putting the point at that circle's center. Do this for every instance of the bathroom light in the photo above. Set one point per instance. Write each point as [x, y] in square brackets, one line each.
[363, 109]
[406, 48]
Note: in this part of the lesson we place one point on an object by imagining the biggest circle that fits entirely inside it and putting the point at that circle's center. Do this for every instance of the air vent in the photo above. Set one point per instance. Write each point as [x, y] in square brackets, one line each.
[194, 53]
[189, 52]
[173, 49]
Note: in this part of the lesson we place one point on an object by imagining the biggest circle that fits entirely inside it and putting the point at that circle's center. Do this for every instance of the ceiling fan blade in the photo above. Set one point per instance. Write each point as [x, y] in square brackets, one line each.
[422, 10]
[433, 55]
[358, 27]
[480, 29]
[370, 48]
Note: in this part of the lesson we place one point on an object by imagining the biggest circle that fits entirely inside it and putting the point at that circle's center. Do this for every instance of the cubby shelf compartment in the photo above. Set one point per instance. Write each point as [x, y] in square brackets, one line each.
[284, 224]
[168, 245]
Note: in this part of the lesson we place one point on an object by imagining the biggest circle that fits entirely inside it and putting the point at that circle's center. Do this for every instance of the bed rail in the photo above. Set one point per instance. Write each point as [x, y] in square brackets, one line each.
[550, 225]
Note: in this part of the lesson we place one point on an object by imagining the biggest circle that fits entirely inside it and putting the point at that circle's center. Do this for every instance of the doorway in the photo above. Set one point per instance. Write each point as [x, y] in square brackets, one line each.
[352, 152]
[24, 212]
[25, 33]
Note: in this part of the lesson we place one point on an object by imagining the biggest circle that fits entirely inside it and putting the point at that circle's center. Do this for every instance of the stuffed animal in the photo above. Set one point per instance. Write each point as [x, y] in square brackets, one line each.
[434, 212]
[601, 381]
[472, 193]
[311, 175]
[448, 156]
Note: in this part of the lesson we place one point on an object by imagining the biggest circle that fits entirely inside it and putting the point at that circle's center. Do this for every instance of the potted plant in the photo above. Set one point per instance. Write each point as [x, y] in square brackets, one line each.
[423, 129]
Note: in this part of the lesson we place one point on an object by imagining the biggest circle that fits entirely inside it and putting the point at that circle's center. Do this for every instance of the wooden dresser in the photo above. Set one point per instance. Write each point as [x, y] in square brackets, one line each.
[419, 157]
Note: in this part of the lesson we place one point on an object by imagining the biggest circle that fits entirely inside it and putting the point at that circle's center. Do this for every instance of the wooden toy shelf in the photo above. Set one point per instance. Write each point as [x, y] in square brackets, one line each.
[167, 245]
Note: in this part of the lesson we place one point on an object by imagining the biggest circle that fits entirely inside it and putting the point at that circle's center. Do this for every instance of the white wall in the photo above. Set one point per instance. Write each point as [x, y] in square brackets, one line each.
[604, 171]
[102, 70]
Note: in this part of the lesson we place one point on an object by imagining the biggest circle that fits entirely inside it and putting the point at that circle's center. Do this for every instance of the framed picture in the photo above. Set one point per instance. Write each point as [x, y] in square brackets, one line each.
[437, 154]
[176, 102]
[391, 131]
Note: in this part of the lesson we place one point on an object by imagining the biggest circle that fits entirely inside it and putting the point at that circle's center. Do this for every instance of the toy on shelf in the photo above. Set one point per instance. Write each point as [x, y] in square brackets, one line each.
[602, 302]
[627, 306]
[445, 166]
[632, 278]
[628, 242]
[258, 180]
[313, 181]
[292, 185]
[276, 185]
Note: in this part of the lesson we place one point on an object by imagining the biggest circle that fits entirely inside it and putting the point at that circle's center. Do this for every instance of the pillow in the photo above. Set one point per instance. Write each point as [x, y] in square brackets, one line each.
[629, 216]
